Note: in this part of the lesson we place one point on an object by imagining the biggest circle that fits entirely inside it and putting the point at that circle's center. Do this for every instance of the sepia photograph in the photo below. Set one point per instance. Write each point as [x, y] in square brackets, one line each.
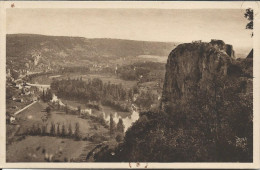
[120, 85]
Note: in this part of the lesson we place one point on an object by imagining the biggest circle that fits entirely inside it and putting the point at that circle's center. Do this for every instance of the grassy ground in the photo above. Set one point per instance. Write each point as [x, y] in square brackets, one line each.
[34, 149]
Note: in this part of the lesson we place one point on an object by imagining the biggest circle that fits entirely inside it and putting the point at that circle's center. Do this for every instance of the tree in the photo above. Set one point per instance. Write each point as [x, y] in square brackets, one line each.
[249, 15]
[43, 95]
[79, 110]
[70, 130]
[44, 127]
[120, 126]
[33, 130]
[38, 129]
[52, 130]
[48, 95]
[112, 125]
[48, 109]
[77, 133]
[58, 129]
[66, 109]
[63, 131]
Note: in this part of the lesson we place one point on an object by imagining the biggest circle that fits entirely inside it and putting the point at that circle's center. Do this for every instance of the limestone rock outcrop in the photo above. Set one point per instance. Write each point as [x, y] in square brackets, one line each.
[195, 66]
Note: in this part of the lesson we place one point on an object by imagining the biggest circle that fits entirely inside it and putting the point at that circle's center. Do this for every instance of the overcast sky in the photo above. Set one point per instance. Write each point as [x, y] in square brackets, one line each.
[136, 24]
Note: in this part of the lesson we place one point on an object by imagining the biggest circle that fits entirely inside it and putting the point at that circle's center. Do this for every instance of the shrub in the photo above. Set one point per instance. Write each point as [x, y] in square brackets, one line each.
[98, 138]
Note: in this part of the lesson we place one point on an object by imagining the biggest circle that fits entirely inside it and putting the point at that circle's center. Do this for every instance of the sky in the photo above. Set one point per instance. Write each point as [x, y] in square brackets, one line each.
[165, 25]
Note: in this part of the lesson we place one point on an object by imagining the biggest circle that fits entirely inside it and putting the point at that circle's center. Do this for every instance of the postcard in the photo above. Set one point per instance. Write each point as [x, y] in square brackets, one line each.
[129, 84]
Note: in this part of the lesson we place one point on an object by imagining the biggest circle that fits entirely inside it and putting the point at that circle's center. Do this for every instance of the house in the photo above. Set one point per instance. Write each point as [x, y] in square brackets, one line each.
[19, 100]
[86, 111]
[12, 119]
[14, 107]
[18, 86]
[34, 99]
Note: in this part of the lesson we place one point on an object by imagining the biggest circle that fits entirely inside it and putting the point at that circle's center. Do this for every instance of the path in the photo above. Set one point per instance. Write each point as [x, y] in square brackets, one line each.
[25, 108]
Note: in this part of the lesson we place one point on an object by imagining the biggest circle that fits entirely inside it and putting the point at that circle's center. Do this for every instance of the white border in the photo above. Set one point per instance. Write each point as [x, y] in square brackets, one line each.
[131, 4]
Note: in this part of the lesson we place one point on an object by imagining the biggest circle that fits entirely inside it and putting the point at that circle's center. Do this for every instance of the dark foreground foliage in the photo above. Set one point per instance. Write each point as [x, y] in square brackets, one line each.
[203, 128]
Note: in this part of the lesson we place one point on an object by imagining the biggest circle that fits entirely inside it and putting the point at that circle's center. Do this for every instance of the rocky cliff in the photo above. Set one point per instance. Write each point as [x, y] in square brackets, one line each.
[193, 67]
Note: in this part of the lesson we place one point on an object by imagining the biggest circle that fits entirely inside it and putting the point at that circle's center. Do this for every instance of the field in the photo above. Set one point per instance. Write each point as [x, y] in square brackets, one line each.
[36, 148]
[160, 59]
[21, 147]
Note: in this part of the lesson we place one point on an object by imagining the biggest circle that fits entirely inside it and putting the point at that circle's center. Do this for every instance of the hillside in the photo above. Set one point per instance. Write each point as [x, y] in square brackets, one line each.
[206, 111]
[53, 50]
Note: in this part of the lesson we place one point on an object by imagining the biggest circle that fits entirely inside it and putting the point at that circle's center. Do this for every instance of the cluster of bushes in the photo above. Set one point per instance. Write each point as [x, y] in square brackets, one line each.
[97, 138]
[46, 95]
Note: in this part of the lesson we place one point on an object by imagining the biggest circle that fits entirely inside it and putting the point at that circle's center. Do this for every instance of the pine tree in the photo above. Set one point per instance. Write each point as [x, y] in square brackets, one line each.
[58, 130]
[38, 129]
[70, 131]
[66, 109]
[43, 95]
[43, 129]
[63, 131]
[33, 130]
[52, 130]
[120, 126]
[79, 110]
[112, 125]
[77, 133]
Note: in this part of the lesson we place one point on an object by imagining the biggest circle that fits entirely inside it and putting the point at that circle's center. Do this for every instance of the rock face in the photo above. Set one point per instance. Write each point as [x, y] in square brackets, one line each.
[196, 66]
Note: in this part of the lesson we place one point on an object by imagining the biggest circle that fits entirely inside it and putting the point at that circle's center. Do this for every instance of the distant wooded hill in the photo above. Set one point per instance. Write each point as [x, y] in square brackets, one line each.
[61, 50]
[21, 45]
